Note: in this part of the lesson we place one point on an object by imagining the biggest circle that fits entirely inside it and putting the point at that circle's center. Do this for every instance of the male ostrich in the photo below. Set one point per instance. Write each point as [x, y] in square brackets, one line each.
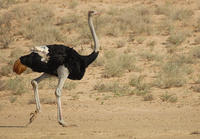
[57, 60]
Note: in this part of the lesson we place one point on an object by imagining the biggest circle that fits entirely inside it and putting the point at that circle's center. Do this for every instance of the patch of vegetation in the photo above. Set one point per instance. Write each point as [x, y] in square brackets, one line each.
[116, 88]
[196, 88]
[195, 52]
[196, 79]
[197, 25]
[40, 28]
[121, 43]
[2, 85]
[16, 85]
[148, 97]
[69, 85]
[197, 40]
[12, 99]
[148, 55]
[6, 70]
[141, 88]
[116, 66]
[140, 40]
[73, 4]
[174, 13]
[173, 73]
[180, 13]
[168, 98]
[7, 3]
[177, 37]
[5, 30]
[141, 23]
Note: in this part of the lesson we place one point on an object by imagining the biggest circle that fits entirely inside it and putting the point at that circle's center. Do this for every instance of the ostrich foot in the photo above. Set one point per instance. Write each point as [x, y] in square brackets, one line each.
[33, 116]
[66, 125]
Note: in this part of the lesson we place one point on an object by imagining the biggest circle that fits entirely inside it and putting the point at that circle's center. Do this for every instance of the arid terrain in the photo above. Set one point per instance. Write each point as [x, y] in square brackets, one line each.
[145, 83]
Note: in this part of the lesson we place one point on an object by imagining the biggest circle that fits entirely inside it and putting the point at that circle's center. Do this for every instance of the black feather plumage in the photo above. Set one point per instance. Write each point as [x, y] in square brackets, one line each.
[60, 55]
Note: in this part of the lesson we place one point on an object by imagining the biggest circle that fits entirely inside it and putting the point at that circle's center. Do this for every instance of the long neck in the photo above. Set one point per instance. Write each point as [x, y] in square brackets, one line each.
[94, 36]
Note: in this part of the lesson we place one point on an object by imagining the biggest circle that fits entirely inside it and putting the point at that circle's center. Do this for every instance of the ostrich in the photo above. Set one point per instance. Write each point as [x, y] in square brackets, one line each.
[57, 60]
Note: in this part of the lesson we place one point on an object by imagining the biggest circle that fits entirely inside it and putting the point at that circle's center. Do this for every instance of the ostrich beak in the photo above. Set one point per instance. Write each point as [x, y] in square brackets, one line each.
[98, 13]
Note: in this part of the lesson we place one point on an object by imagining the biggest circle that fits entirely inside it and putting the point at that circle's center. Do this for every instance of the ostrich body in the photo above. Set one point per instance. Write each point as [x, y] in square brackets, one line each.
[57, 60]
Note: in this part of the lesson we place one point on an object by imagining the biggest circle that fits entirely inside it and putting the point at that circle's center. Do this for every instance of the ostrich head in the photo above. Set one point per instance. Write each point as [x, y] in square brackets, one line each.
[91, 13]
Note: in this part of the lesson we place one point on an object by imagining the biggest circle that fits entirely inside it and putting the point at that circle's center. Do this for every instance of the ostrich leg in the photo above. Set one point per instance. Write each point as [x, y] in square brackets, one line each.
[62, 76]
[34, 83]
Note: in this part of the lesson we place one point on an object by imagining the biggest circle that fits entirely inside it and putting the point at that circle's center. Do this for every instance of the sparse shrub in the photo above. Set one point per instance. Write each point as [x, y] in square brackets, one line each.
[195, 52]
[116, 66]
[116, 88]
[69, 19]
[196, 79]
[163, 9]
[148, 97]
[69, 85]
[141, 88]
[6, 70]
[113, 11]
[177, 37]
[196, 88]
[110, 29]
[180, 13]
[7, 3]
[172, 74]
[168, 98]
[151, 44]
[40, 28]
[2, 85]
[109, 54]
[112, 68]
[121, 43]
[42, 34]
[100, 87]
[12, 99]
[197, 40]
[127, 62]
[173, 12]
[16, 85]
[5, 30]
[141, 21]
[73, 4]
[148, 55]
[140, 40]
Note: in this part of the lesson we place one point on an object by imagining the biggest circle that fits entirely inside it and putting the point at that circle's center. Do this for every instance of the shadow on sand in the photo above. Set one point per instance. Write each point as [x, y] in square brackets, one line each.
[13, 126]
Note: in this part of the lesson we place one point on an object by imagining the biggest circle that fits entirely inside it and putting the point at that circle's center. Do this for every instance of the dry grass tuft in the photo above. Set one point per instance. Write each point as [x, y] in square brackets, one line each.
[173, 73]
[141, 88]
[177, 37]
[169, 98]
[116, 66]
[6, 36]
[116, 88]
[16, 85]
[7, 3]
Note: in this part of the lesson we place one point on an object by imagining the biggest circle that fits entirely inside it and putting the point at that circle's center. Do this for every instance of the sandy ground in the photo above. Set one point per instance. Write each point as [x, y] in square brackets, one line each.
[121, 117]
